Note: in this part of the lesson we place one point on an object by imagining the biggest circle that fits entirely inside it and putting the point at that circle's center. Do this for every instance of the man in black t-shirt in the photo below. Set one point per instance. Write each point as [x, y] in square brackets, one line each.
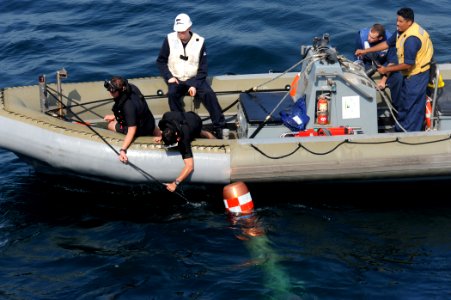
[179, 129]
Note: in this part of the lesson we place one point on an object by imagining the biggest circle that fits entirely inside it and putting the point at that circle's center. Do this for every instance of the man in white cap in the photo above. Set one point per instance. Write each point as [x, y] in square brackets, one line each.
[182, 62]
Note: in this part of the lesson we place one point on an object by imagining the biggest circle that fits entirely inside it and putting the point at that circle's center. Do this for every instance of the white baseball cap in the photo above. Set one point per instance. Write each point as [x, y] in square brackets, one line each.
[182, 22]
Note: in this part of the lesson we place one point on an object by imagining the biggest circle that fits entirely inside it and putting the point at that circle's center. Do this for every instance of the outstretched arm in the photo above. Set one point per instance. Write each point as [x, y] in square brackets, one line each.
[393, 68]
[127, 142]
[379, 47]
[186, 171]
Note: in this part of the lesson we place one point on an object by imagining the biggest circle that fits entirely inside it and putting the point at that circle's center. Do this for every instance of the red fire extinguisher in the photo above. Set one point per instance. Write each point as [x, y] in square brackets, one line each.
[322, 110]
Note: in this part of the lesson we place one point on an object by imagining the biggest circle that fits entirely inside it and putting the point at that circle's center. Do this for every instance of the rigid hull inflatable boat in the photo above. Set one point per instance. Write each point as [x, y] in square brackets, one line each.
[347, 128]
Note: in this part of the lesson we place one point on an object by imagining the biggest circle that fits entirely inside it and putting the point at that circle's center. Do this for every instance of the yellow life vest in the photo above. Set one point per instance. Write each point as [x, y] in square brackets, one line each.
[424, 55]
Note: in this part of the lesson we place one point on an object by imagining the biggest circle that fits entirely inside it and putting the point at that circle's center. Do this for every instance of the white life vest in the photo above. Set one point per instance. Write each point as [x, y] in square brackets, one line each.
[183, 62]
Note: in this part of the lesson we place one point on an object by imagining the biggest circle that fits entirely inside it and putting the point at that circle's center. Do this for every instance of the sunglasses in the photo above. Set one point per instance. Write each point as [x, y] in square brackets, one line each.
[110, 86]
[171, 145]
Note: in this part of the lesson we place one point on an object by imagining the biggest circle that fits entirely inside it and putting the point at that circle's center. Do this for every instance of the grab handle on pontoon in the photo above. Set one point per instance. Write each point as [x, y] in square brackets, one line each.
[59, 75]
[43, 93]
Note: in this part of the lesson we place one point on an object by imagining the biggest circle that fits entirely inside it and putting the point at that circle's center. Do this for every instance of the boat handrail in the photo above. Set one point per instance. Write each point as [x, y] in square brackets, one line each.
[60, 74]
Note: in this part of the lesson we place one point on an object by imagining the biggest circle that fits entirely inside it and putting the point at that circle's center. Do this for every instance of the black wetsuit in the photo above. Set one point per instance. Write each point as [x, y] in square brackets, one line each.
[190, 126]
[130, 109]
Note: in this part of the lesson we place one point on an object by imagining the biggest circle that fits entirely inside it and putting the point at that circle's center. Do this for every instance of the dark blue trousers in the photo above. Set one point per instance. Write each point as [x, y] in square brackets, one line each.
[176, 92]
[412, 104]
[394, 83]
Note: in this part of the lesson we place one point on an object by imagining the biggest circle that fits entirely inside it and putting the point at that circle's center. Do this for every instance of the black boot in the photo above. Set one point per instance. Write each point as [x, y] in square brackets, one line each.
[217, 132]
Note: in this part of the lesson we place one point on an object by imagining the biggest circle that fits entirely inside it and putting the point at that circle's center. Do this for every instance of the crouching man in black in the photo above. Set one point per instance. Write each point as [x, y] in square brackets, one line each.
[180, 129]
[132, 115]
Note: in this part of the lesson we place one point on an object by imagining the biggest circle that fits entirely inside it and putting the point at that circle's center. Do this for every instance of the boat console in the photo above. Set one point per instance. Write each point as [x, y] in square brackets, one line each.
[336, 92]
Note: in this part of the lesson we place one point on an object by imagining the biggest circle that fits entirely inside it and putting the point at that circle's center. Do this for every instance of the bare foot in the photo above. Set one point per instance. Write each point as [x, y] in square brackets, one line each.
[207, 134]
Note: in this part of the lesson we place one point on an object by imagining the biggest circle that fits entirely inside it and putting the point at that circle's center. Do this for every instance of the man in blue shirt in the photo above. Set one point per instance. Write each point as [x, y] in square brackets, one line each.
[414, 50]
[369, 37]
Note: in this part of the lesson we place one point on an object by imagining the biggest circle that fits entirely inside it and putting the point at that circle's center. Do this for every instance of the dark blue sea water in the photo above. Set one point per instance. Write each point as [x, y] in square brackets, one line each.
[62, 238]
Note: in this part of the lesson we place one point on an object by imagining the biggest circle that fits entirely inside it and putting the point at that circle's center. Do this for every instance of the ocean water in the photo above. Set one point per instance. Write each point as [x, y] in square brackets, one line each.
[66, 238]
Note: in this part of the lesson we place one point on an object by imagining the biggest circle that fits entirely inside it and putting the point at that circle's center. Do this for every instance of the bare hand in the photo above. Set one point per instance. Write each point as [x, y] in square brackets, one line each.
[173, 80]
[123, 157]
[171, 186]
[382, 70]
[192, 91]
[109, 118]
[359, 52]
[381, 86]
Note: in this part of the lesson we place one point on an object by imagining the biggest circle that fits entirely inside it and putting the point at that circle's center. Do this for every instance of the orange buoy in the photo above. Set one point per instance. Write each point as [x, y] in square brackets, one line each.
[237, 198]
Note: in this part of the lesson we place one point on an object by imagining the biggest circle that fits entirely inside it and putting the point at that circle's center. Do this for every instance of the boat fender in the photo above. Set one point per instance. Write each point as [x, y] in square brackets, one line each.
[237, 198]
[440, 84]
[427, 118]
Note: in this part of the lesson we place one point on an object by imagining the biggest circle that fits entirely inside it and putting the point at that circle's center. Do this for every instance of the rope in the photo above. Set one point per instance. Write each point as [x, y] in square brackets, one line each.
[144, 173]
[263, 124]
[383, 94]
[346, 141]
[276, 77]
